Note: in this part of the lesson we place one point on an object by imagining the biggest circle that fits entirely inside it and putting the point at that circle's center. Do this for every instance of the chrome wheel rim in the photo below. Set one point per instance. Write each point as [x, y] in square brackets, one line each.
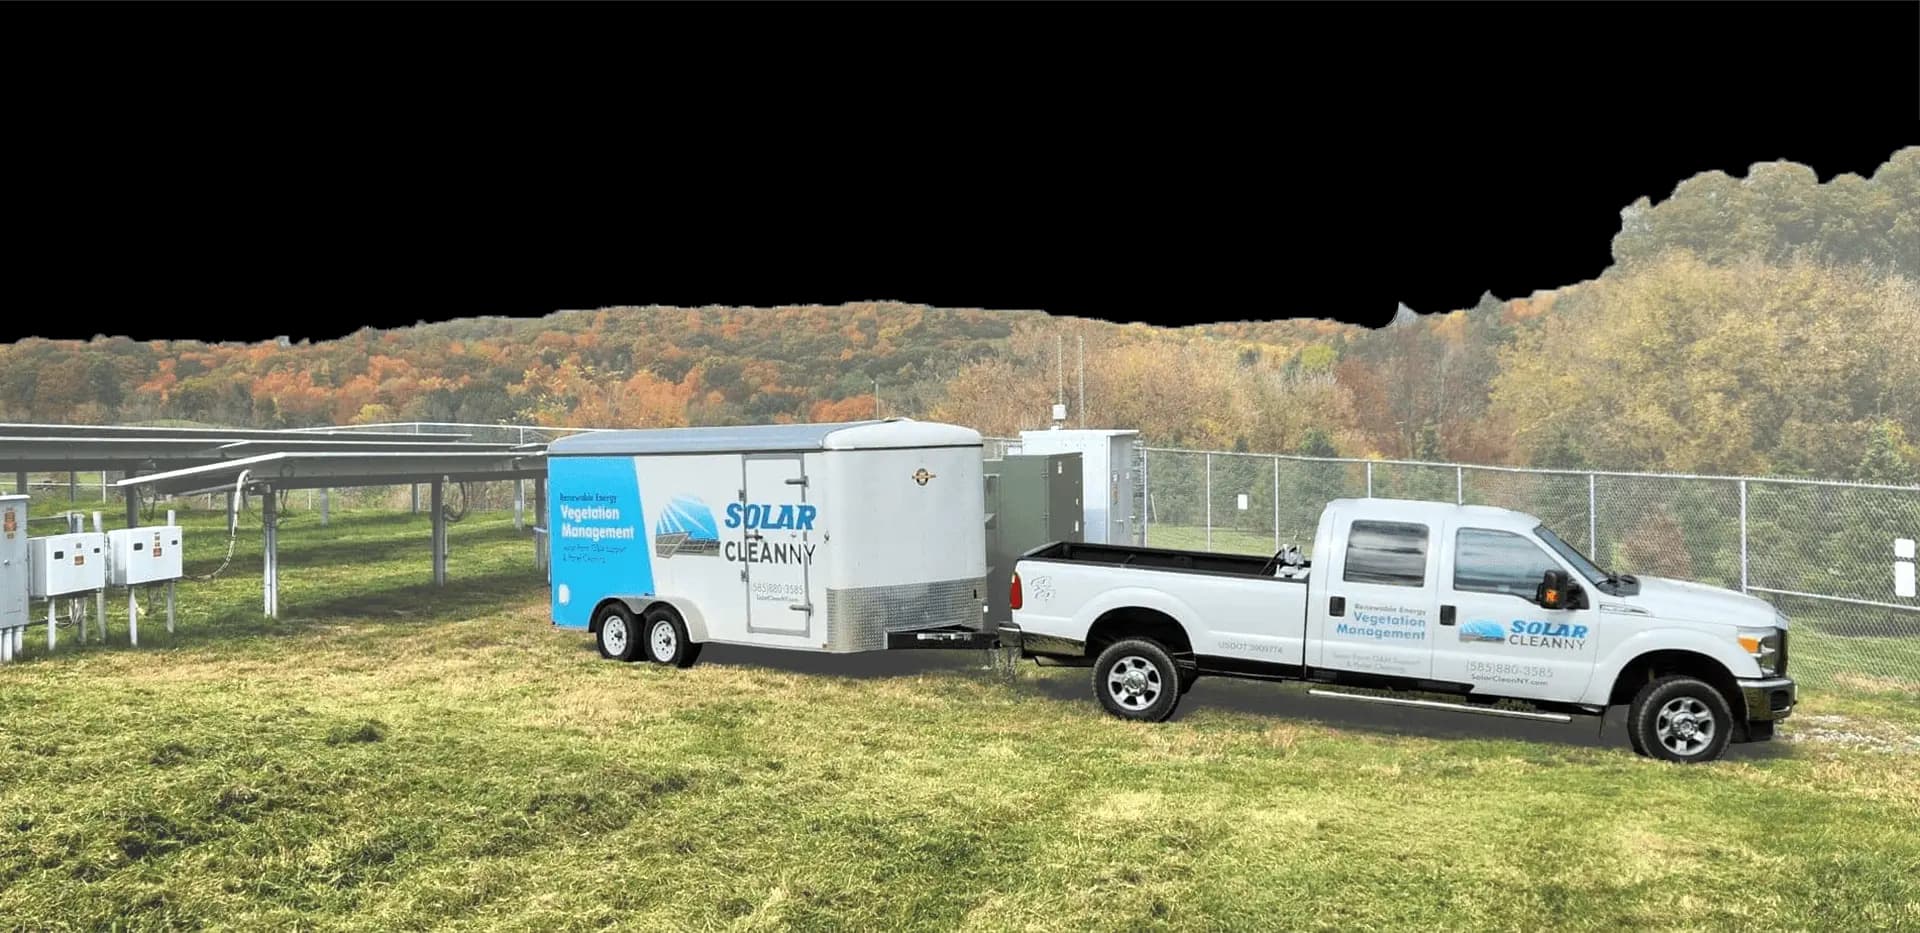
[614, 633]
[663, 640]
[1684, 726]
[1134, 682]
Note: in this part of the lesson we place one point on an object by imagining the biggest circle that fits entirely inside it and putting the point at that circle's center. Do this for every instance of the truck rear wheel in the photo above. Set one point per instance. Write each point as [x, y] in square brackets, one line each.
[1136, 679]
[617, 635]
[1680, 719]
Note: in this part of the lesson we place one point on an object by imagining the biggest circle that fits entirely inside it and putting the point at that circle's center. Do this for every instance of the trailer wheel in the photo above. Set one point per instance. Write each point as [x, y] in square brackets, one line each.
[616, 634]
[1680, 719]
[666, 638]
[1136, 679]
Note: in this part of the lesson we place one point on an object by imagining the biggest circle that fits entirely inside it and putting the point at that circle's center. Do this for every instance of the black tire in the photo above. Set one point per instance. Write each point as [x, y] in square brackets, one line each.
[1149, 687]
[665, 638]
[616, 634]
[1680, 719]
[1633, 736]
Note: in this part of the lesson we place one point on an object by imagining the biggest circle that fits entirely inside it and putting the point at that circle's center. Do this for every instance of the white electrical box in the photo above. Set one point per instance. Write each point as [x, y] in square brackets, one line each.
[143, 555]
[1108, 481]
[13, 562]
[69, 563]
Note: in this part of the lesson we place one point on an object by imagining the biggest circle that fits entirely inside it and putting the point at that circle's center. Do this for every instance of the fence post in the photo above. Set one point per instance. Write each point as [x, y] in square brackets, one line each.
[1743, 536]
[1459, 485]
[1276, 505]
[1369, 479]
[1146, 495]
[1593, 519]
[1209, 500]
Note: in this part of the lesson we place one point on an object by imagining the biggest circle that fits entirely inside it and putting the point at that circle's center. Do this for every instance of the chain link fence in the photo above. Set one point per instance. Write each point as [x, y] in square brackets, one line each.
[1823, 552]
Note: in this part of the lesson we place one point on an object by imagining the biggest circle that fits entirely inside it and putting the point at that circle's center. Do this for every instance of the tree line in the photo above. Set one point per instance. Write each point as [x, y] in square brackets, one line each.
[1758, 325]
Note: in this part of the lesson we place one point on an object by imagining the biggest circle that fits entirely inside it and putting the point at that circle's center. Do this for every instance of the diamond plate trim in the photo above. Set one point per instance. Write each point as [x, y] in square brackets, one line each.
[859, 619]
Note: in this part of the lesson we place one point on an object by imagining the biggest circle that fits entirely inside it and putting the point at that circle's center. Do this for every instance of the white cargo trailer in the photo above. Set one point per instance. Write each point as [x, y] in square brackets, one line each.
[13, 574]
[840, 538]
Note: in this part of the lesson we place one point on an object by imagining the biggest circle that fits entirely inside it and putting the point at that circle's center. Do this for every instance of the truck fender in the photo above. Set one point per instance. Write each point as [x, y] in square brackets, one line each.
[1724, 650]
[689, 614]
[1137, 597]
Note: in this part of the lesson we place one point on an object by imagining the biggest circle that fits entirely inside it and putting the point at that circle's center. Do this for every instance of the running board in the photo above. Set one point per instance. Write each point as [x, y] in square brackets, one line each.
[1435, 704]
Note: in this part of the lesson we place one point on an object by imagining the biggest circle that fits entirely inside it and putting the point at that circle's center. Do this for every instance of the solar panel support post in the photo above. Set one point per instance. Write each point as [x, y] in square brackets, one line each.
[20, 482]
[326, 506]
[170, 524]
[133, 506]
[73, 487]
[270, 565]
[415, 488]
[519, 504]
[438, 504]
[542, 536]
[100, 595]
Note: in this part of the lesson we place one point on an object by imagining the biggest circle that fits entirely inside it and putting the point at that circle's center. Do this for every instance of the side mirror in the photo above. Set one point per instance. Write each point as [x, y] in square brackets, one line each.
[1552, 592]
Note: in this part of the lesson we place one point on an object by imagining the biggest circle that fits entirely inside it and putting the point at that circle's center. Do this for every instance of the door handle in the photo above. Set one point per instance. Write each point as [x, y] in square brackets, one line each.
[1337, 606]
[1446, 615]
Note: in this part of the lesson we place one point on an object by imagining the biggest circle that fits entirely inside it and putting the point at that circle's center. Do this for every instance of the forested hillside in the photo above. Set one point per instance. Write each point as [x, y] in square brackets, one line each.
[1763, 324]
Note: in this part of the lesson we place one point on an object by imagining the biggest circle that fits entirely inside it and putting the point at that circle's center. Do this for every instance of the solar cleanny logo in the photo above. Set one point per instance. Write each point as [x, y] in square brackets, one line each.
[1523, 633]
[686, 527]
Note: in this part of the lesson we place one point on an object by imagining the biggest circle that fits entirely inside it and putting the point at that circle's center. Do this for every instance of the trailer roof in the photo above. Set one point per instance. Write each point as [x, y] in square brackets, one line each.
[769, 438]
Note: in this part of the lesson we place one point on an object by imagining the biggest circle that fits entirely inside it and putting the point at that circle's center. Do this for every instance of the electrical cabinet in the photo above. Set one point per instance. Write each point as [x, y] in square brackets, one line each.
[1109, 481]
[143, 555]
[13, 562]
[1031, 500]
[69, 563]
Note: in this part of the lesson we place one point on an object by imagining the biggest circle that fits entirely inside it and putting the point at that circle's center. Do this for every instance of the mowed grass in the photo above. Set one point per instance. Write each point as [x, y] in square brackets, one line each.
[394, 756]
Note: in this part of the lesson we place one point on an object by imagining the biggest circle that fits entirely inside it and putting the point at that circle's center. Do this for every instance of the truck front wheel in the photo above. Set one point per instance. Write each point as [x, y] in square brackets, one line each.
[1681, 719]
[1136, 679]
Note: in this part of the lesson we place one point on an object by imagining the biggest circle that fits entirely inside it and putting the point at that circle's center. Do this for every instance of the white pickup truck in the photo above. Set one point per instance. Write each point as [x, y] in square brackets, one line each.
[1404, 598]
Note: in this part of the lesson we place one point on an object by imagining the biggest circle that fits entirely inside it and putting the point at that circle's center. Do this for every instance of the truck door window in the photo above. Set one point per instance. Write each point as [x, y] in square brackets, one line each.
[1389, 553]
[1486, 561]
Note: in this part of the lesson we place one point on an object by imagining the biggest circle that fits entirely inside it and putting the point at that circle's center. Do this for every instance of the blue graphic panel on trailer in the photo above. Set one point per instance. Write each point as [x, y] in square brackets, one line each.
[599, 548]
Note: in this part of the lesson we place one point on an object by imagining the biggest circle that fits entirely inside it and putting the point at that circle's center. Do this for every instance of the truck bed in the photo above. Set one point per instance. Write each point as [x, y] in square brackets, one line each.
[1148, 558]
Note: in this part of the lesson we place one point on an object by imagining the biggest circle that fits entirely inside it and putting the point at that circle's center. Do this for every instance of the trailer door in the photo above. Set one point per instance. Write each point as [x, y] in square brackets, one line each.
[778, 539]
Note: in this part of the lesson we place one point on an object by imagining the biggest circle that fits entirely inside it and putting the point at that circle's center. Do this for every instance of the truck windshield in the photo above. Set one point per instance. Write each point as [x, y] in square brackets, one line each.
[1579, 561]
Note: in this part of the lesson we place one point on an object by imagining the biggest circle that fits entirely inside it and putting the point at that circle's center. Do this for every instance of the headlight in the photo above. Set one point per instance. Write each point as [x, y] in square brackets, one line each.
[1764, 645]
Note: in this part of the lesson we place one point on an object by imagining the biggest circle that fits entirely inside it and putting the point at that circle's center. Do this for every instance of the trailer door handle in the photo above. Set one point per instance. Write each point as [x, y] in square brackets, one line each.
[801, 607]
[1446, 615]
[1337, 606]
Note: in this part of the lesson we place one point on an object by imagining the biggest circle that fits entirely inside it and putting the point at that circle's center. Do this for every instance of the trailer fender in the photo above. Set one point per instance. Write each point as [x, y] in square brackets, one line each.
[689, 614]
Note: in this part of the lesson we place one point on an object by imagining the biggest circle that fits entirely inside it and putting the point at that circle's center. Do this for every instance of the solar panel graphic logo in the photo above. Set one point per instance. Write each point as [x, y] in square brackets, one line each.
[686, 527]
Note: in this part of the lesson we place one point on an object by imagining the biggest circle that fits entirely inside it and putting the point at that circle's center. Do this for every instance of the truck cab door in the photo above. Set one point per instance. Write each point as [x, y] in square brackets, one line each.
[1375, 611]
[1499, 639]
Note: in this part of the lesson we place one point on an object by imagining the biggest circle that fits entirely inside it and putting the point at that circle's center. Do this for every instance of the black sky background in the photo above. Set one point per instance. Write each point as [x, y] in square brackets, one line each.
[241, 172]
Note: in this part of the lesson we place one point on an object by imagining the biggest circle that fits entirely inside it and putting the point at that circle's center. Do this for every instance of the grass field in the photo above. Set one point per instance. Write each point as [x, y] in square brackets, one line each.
[394, 756]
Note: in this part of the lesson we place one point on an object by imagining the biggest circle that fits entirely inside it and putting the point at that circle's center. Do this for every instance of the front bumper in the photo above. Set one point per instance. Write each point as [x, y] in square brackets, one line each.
[1770, 699]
